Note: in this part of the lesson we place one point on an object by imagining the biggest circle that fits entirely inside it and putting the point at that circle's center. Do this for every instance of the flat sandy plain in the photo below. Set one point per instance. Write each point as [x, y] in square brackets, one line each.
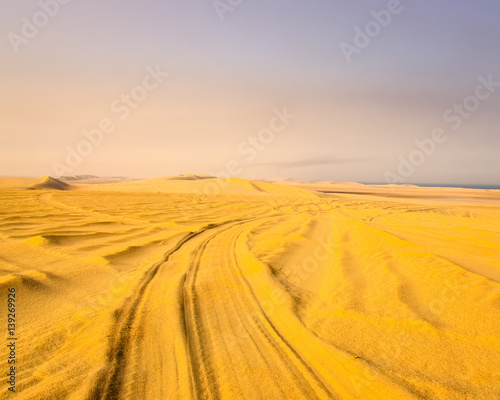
[196, 288]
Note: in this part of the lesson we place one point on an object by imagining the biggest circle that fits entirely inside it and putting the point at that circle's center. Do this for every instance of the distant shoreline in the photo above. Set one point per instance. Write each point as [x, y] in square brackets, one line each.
[447, 185]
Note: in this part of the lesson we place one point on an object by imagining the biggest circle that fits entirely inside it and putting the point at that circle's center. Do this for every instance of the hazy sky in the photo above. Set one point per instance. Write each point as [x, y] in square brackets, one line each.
[357, 104]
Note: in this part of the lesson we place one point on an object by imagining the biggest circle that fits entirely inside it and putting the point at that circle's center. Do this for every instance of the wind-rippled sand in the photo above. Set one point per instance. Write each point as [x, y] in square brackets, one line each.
[126, 291]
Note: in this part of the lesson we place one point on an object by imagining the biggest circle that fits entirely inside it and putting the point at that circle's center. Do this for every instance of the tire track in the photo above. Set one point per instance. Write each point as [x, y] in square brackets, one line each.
[272, 333]
[110, 380]
[203, 385]
[287, 360]
[200, 381]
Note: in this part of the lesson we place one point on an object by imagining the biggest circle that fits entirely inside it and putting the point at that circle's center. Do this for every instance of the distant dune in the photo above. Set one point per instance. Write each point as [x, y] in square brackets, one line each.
[398, 191]
[204, 185]
[190, 177]
[48, 182]
[45, 182]
[79, 177]
[210, 185]
[92, 179]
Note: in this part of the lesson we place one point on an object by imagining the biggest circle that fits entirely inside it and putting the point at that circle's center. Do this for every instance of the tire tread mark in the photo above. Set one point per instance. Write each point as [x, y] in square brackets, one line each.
[110, 380]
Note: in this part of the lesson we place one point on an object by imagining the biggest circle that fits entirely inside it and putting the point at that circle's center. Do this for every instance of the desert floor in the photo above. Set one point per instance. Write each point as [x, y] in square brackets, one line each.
[210, 289]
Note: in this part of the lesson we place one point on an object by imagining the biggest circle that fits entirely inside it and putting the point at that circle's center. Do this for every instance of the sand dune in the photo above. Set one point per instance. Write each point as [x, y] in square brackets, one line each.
[45, 182]
[462, 195]
[158, 289]
[190, 177]
[204, 186]
[48, 182]
[91, 179]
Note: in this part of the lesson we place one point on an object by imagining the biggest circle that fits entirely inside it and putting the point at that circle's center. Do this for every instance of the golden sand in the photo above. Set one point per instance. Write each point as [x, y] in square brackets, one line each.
[172, 289]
